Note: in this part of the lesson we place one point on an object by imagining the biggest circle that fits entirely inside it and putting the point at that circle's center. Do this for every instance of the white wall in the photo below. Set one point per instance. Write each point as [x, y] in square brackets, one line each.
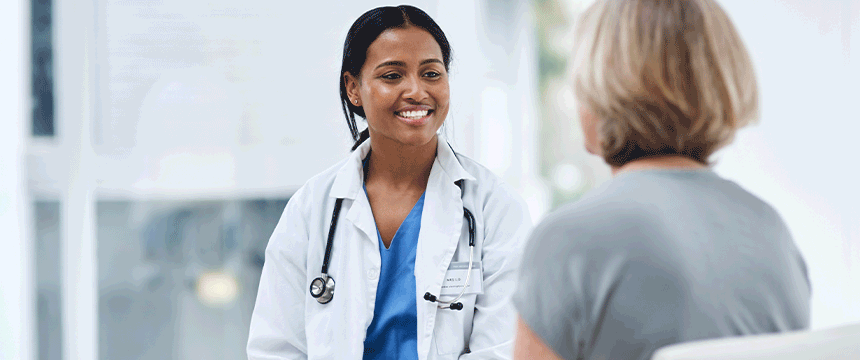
[17, 293]
[801, 158]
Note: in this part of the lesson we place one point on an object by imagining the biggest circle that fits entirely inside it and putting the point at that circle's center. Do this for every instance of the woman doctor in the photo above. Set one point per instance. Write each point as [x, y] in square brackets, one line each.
[370, 258]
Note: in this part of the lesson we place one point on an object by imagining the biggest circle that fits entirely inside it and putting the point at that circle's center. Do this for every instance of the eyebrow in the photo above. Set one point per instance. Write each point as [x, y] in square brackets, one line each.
[403, 64]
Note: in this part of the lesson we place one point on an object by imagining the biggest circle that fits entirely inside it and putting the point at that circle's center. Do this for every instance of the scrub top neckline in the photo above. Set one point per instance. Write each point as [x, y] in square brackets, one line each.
[399, 227]
[418, 207]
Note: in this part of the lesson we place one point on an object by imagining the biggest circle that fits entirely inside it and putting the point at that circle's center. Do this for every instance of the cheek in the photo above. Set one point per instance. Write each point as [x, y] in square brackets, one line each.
[443, 93]
[442, 97]
[590, 131]
[443, 88]
[378, 100]
[585, 122]
[594, 139]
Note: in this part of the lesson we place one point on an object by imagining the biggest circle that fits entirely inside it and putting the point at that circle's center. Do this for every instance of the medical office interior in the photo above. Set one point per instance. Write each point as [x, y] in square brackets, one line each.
[149, 147]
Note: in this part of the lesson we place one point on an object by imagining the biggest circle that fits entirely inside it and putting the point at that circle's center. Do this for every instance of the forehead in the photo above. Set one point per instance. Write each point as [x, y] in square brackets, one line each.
[404, 44]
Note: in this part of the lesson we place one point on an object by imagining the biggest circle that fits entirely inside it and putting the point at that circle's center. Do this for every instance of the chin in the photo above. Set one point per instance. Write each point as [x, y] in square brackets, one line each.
[416, 139]
[416, 142]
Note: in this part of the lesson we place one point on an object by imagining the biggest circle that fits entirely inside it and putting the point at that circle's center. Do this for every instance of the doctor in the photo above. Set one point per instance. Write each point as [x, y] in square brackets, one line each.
[371, 257]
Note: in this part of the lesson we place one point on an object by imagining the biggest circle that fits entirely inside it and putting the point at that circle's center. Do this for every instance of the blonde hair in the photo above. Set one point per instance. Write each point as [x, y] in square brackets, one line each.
[664, 77]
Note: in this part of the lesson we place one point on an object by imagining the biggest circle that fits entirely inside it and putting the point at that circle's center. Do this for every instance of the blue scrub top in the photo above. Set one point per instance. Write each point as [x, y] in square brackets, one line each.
[393, 332]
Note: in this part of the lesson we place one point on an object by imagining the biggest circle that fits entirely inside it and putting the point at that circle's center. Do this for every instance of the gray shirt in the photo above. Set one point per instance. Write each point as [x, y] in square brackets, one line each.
[658, 257]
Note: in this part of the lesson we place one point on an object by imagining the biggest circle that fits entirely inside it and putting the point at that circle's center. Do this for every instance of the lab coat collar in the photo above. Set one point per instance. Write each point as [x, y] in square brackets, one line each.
[350, 177]
[449, 162]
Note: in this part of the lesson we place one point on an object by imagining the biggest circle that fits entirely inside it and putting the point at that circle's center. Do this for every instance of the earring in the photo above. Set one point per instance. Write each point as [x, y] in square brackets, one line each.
[355, 101]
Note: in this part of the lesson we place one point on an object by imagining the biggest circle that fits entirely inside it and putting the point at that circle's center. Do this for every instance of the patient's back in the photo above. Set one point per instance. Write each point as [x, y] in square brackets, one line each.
[659, 257]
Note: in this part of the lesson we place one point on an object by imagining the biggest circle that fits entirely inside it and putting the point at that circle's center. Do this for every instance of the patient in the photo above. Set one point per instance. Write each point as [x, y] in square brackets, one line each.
[667, 251]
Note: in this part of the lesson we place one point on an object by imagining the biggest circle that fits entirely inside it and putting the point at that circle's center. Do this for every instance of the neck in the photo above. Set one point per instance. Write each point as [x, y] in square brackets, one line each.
[670, 162]
[399, 165]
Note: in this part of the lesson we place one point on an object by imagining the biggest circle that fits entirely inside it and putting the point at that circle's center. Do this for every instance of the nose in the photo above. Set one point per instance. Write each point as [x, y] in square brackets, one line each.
[414, 89]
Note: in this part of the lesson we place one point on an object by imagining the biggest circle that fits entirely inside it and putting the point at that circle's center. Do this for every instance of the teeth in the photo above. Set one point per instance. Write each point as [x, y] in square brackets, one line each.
[414, 114]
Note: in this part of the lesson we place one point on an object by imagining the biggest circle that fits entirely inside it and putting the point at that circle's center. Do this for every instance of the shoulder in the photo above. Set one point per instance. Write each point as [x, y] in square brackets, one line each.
[488, 185]
[761, 209]
[318, 187]
[610, 220]
[503, 213]
[304, 206]
[610, 203]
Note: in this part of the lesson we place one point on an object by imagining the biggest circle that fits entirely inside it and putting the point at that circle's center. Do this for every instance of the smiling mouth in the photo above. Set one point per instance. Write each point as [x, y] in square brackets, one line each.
[413, 115]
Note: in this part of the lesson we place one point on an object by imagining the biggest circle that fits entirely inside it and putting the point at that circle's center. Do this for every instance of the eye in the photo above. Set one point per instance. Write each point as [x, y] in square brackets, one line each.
[391, 76]
[432, 74]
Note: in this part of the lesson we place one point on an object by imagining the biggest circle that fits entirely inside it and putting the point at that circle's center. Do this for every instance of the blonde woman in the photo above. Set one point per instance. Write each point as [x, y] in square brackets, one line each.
[667, 251]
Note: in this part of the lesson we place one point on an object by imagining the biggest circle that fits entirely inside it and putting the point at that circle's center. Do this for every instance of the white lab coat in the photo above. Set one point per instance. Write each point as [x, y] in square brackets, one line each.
[288, 323]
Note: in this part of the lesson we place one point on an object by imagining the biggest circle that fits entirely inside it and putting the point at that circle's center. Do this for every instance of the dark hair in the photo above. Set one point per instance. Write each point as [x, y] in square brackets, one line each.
[363, 32]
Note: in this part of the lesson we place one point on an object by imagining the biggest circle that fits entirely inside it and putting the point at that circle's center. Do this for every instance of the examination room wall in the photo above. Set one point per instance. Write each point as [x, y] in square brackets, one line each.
[136, 206]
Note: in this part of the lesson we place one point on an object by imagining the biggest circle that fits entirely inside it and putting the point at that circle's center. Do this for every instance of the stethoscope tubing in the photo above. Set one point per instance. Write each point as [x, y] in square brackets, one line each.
[322, 288]
[471, 220]
[325, 283]
[465, 285]
[332, 228]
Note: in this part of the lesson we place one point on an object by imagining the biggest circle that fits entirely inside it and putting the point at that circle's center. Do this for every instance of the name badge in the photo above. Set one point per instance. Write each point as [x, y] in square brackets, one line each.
[455, 279]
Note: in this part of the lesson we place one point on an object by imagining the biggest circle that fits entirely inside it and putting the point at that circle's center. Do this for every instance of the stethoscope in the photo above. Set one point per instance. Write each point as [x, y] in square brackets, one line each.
[322, 288]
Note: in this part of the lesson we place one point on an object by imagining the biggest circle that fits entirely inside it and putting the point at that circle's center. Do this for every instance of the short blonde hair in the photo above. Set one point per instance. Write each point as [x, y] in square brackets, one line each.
[664, 77]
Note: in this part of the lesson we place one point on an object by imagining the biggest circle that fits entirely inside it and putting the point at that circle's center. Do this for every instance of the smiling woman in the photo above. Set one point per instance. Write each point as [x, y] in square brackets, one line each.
[403, 90]
[423, 241]
[374, 48]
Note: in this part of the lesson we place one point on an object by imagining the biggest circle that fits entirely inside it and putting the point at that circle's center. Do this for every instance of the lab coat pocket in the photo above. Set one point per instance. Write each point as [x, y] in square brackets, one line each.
[320, 321]
[453, 327]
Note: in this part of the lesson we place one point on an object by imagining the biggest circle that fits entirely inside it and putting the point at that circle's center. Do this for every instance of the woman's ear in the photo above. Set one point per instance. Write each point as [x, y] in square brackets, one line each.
[351, 84]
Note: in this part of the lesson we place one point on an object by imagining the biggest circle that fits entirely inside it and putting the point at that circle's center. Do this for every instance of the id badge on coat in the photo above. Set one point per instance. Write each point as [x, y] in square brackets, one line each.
[455, 279]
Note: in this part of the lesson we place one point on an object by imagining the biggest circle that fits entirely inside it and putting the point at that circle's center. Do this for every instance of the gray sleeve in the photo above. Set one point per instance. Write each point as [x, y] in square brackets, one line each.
[588, 288]
[551, 296]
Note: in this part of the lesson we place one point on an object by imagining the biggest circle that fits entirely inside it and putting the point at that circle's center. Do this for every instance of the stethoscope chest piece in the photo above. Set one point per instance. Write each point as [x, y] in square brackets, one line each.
[322, 288]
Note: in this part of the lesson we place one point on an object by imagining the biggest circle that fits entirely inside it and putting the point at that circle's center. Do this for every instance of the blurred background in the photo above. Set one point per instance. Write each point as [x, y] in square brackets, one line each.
[148, 148]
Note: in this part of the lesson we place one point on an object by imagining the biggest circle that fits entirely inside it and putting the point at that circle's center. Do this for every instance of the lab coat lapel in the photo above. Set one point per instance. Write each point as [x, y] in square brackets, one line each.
[360, 232]
[349, 184]
[441, 224]
[361, 215]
